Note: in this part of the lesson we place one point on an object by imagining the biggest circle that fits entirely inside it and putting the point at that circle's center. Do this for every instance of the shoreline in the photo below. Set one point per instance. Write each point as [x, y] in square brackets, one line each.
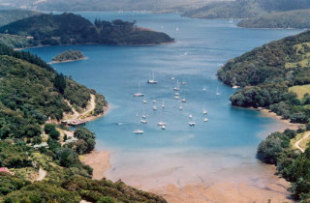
[275, 190]
[68, 61]
[288, 124]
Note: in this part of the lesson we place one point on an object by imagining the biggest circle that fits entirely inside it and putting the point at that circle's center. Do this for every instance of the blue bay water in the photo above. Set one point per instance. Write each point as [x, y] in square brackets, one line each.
[201, 47]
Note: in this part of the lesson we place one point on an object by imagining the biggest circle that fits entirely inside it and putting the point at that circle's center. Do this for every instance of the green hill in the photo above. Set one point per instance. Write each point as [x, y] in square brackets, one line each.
[33, 100]
[258, 13]
[68, 28]
[276, 76]
[67, 56]
[282, 60]
[288, 19]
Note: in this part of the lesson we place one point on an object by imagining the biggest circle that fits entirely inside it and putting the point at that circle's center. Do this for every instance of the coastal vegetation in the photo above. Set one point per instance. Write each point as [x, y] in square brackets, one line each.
[285, 19]
[33, 101]
[276, 76]
[68, 28]
[67, 56]
[292, 164]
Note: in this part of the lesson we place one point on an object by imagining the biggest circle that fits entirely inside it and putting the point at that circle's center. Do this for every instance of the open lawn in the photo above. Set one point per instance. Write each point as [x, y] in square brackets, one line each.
[300, 90]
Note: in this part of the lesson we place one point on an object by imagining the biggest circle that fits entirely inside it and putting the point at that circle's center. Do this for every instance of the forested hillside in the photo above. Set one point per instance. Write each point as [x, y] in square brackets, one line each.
[33, 100]
[68, 28]
[258, 13]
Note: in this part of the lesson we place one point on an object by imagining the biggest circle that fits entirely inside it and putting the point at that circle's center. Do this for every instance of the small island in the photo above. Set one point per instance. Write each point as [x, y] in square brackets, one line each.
[68, 56]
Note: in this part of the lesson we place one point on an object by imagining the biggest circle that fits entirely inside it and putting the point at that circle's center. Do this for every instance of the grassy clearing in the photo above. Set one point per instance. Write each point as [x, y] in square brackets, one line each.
[300, 90]
[305, 139]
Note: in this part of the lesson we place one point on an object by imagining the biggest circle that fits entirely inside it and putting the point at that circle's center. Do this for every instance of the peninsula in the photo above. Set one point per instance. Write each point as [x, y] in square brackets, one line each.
[69, 29]
[40, 155]
[276, 77]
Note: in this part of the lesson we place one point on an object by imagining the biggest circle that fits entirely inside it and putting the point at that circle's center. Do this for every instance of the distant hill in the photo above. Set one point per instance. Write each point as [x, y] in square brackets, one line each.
[107, 5]
[8, 16]
[258, 13]
[284, 19]
[68, 28]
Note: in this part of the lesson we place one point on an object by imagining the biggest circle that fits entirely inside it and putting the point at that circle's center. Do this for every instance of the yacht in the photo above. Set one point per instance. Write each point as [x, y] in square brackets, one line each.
[154, 108]
[138, 94]
[172, 78]
[190, 116]
[177, 88]
[205, 120]
[183, 100]
[152, 81]
[161, 123]
[204, 89]
[138, 132]
[163, 127]
[181, 108]
[217, 91]
[163, 104]
[177, 97]
[191, 123]
[143, 121]
[235, 87]
[204, 112]
[176, 94]
[144, 101]
[143, 116]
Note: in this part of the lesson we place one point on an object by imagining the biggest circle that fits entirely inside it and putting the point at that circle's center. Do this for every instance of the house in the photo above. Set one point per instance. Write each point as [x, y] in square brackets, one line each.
[6, 171]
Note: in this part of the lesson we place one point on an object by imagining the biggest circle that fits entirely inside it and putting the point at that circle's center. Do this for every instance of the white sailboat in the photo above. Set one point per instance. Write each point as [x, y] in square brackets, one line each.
[152, 81]
[138, 131]
[143, 121]
[138, 94]
[217, 91]
[205, 120]
[204, 112]
[181, 108]
[191, 123]
[163, 104]
[161, 123]
[177, 88]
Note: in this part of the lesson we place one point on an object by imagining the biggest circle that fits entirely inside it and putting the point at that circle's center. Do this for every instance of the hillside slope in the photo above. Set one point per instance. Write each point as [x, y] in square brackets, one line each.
[33, 99]
[68, 28]
[258, 13]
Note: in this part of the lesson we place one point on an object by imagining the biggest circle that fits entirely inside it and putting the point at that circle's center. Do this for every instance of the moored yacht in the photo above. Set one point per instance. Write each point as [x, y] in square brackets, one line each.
[138, 131]
[191, 123]
[152, 81]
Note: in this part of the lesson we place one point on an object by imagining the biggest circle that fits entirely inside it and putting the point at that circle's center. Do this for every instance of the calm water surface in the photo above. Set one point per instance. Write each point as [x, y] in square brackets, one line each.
[227, 142]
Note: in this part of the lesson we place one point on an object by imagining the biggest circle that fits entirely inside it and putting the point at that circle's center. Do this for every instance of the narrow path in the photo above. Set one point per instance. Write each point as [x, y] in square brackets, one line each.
[297, 144]
[90, 107]
[42, 174]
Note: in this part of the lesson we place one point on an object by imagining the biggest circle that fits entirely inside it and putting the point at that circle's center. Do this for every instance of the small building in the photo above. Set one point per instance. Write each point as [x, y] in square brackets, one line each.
[43, 144]
[6, 171]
